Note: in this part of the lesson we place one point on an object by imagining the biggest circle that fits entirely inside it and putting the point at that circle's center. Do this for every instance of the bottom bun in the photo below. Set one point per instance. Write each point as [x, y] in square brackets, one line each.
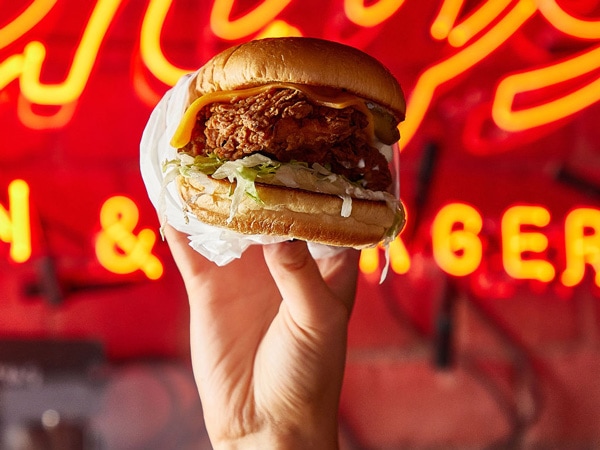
[290, 213]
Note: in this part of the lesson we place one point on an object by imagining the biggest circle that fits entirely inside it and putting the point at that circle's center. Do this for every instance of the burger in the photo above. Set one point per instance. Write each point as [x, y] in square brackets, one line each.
[292, 137]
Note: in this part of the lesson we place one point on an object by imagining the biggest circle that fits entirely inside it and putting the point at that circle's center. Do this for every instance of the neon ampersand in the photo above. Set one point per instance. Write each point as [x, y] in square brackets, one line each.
[118, 249]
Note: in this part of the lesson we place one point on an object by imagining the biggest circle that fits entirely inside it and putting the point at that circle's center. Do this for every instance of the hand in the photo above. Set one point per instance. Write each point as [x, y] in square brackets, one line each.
[268, 340]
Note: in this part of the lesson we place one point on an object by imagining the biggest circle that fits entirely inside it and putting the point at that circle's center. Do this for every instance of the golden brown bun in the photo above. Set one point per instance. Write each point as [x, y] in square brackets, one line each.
[302, 60]
[291, 213]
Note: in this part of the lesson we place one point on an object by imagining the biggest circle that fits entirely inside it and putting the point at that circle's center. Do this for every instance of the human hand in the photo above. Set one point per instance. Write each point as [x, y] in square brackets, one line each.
[268, 341]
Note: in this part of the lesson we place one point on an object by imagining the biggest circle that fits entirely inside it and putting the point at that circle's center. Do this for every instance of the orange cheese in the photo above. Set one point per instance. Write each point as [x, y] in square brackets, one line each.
[340, 100]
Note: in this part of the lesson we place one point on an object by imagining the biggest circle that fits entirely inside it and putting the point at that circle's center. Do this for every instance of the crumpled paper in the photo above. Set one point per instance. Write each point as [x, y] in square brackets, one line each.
[219, 245]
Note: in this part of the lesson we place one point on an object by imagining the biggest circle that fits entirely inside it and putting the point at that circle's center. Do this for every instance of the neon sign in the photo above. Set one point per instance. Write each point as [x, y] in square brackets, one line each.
[28, 65]
[512, 16]
[476, 36]
[582, 229]
[455, 236]
[458, 250]
[456, 230]
[15, 224]
[118, 249]
[518, 242]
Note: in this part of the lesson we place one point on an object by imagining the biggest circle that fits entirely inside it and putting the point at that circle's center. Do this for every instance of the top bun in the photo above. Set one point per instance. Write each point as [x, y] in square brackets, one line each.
[302, 60]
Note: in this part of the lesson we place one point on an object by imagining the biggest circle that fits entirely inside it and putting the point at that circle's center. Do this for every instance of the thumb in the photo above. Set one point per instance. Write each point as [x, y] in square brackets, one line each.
[307, 296]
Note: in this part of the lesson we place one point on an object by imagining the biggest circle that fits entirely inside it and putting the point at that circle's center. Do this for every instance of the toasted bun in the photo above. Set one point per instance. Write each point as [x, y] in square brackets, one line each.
[302, 60]
[290, 213]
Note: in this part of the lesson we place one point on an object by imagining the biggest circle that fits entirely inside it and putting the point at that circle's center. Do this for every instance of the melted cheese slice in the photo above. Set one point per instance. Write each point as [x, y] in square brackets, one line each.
[340, 100]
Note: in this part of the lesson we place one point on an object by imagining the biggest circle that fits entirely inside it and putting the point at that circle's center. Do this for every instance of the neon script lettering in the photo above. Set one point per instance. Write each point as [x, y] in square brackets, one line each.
[475, 36]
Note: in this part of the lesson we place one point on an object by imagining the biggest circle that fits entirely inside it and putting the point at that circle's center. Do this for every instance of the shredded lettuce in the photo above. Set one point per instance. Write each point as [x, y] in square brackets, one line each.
[245, 172]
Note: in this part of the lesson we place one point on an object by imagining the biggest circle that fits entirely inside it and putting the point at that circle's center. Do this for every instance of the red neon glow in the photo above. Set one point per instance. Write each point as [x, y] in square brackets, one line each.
[476, 37]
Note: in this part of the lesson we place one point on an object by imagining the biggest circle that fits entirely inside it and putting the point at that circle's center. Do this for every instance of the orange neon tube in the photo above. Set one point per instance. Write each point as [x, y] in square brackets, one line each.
[476, 22]
[511, 120]
[572, 26]
[372, 15]
[422, 95]
[30, 17]
[83, 61]
[446, 18]
[150, 47]
[248, 24]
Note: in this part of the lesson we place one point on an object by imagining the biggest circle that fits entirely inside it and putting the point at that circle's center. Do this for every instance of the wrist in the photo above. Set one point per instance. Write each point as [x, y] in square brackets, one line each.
[278, 440]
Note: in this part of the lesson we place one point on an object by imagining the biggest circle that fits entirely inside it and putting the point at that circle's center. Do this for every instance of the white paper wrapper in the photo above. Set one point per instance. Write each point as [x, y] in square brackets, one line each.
[219, 245]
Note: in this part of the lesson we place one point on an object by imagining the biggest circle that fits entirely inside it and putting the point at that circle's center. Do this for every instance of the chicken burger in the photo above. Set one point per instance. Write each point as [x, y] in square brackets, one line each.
[292, 137]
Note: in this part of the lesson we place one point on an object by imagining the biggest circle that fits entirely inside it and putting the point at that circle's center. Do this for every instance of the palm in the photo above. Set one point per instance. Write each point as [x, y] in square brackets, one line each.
[256, 357]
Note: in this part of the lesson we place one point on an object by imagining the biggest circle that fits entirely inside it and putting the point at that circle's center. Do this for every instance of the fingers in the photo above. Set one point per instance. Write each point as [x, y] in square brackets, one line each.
[341, 273]
[304, 288]
[187, 259]
[242, 278]
[311, 289]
